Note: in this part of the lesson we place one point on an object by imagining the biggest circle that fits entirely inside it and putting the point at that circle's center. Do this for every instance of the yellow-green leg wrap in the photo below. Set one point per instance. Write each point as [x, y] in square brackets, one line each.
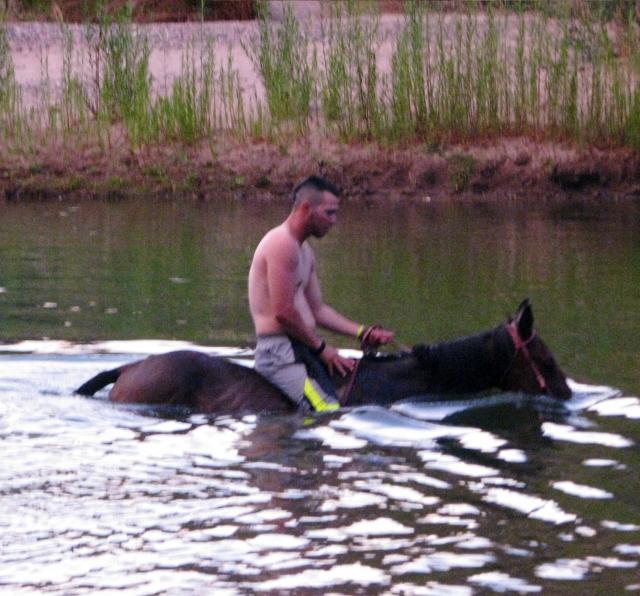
[316, 399]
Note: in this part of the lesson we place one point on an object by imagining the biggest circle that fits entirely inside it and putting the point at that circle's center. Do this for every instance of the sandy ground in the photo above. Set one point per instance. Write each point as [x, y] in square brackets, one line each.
[500, 168]
[38, 50]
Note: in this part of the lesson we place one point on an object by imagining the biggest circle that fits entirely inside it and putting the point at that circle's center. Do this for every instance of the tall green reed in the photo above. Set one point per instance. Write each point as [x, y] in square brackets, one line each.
[452, 74]
[411, 89]
[489, 69]
[231, 114]
[121, 77]
[184, 113]
[11, 116]
[524, 104]
[350, 81]
[204, 99]
[283, 58]
[126, 84]
[464, 75]
[74, 101]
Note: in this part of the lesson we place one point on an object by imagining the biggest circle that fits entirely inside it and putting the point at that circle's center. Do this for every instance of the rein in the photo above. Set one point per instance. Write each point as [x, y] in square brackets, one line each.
[522, 346]
[347, 392]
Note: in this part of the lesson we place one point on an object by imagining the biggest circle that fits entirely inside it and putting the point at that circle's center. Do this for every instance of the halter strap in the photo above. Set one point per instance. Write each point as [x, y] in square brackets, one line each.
[522, 346]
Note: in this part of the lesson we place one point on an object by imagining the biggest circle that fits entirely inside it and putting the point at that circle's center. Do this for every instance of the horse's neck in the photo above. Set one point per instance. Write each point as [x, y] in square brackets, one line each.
[468, 365]
[386, 380]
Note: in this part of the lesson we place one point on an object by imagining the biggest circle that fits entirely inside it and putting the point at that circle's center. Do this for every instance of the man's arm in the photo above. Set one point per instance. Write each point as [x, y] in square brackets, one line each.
[282, 266]
[325, 315]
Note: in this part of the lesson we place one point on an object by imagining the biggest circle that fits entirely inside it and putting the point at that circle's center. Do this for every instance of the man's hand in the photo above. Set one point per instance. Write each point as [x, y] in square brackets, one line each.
[375, 336]
[336, 363]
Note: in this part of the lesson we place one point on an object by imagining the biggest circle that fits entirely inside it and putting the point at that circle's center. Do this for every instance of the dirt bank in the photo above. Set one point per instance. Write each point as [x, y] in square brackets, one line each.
[513, 169]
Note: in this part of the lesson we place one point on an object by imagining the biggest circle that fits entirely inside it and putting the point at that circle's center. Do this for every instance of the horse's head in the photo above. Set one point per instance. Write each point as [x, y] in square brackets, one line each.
[533, 368]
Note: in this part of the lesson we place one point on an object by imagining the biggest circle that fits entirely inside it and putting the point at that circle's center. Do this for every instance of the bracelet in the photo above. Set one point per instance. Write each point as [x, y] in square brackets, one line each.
[317, 351]
[360, 332]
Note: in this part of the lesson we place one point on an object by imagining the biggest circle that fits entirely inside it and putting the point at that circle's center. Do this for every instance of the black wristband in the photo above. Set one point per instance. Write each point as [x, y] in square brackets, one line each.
[317, 351]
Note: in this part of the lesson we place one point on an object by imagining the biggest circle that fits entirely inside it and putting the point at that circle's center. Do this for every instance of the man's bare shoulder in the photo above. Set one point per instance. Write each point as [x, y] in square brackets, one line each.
[278, 243]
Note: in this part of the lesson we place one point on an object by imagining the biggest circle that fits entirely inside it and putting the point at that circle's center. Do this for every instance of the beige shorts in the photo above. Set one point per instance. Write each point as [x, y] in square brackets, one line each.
[276, 361]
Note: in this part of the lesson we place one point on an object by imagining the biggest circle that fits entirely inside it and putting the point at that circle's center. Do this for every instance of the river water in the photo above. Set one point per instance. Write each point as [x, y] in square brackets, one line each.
[520, 497]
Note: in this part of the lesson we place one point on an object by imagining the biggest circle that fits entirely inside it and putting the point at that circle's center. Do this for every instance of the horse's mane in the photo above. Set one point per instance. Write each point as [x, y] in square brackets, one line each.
[467, 363]
[464, 365]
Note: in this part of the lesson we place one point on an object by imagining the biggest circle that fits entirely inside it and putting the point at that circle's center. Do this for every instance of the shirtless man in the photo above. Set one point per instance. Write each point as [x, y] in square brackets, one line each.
[286, 304]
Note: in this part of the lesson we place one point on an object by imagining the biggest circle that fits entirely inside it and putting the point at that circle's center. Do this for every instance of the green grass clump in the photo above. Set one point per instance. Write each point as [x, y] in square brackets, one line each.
[124, 89]
[11, 117]
[461, 168]
[411, 88]
[350, 81]
[184, 113]
[282, 58]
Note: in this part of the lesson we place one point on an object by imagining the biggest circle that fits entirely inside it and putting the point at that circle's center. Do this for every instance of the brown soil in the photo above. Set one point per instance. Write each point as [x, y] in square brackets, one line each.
[513, 170]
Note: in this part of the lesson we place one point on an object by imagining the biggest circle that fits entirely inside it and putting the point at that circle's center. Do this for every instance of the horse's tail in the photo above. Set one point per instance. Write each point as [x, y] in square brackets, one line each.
[99, 381]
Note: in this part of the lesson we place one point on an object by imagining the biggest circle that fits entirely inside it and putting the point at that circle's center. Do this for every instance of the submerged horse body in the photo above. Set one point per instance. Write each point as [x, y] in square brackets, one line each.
[511, 357]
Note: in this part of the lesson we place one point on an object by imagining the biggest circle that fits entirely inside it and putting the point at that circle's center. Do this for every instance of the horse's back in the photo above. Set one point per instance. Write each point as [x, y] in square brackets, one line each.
[196, 380]
[163, 379]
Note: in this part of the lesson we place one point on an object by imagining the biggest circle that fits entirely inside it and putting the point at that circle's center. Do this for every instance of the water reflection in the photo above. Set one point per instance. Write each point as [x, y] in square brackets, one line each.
[501, 582]
[561, 432]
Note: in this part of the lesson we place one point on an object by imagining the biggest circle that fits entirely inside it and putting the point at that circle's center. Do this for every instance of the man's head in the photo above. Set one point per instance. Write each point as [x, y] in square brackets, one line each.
[317, 201]
[311, 189]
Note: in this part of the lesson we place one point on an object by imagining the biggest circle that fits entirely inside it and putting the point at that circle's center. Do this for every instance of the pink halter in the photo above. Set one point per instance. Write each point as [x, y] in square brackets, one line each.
[521, 346]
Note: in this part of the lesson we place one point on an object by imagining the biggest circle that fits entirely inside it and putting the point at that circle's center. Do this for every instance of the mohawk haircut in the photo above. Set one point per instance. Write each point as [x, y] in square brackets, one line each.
[311, 189]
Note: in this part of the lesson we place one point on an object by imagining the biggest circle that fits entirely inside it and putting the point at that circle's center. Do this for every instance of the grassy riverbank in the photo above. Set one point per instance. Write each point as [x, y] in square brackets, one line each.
[498, 99]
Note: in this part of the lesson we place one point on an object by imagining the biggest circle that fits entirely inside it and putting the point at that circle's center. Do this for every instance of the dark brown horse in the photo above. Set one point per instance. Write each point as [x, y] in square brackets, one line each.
[511, 357]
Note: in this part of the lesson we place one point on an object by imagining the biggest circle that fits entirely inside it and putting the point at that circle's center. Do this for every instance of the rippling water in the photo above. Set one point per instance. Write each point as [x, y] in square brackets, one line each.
[419, 499]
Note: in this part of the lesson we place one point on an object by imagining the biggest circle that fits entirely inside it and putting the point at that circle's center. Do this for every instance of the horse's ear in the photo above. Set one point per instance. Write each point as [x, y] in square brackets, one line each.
[523, 305]
[524, 320]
